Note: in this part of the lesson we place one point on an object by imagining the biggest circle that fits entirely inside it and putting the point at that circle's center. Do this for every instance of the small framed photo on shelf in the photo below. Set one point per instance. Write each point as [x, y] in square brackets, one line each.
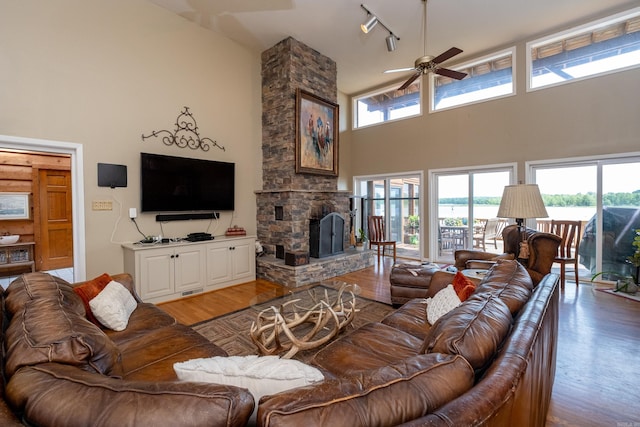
[14, 206]
[316, 135]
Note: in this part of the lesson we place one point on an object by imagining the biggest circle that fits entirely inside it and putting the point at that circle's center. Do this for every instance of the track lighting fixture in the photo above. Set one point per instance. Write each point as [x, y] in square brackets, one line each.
[391, 42]
[371, 22]
[368, 26]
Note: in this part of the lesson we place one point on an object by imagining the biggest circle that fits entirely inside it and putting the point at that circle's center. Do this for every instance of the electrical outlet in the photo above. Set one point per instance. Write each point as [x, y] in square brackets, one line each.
[133, 213]
[102, 205]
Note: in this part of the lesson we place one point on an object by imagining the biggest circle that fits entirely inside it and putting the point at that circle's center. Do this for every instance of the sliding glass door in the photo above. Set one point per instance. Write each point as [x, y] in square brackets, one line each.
[397, 199]
[463, 202]
[603, 193]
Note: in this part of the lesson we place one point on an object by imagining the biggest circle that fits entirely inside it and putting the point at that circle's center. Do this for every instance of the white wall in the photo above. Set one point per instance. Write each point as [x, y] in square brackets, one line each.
[592, 117]
[101, 73]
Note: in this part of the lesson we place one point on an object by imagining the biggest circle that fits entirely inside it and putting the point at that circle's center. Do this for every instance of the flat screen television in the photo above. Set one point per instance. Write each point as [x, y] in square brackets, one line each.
[179, 184]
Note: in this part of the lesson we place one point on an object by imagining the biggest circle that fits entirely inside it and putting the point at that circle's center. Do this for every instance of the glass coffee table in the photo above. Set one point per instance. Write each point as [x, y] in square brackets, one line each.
[290, 320]
[475, 273]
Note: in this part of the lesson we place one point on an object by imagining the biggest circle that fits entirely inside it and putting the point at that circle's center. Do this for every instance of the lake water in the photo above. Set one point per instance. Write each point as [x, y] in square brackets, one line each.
[485, 211]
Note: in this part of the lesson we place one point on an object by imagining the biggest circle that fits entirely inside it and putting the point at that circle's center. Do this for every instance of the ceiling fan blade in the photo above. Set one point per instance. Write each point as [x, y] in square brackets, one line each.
[399, 70]
[451, 73]
[446, 55]
[411, 80]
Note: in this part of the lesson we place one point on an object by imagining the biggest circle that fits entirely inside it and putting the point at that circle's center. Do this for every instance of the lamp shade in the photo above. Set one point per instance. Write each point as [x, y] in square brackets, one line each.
[522, 201]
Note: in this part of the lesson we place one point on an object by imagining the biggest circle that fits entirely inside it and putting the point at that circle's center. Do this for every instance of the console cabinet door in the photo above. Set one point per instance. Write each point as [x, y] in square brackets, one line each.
[156, 269]
[189, 268]
[219, 267]
[244, 259]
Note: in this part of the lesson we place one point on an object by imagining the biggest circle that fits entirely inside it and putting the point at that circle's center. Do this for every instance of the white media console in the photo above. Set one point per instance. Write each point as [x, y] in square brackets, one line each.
[168, 271]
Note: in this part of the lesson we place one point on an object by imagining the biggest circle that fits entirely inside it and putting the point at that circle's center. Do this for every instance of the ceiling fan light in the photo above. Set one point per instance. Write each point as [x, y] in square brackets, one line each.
[369, 24]
[391, 42]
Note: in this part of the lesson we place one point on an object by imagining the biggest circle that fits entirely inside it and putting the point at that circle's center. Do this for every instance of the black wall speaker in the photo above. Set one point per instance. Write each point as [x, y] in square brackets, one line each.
[112, 175]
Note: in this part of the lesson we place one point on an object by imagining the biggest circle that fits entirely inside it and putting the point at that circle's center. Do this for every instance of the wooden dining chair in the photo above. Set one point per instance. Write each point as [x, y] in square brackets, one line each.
[491, 230]
[570, 233]
[378, 237]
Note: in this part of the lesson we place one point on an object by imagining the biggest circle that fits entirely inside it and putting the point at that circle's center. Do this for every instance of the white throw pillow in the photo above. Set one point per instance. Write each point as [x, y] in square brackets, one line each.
[443, 302]
[113, 306]
[261, 375]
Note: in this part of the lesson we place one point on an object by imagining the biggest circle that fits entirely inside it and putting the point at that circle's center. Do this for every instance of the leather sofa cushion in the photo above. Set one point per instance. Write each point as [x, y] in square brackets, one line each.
[48, 324]
[146, 317]
[387, 396]
[151, 357]
[370, 347]
[474, 330]
[410, 318]
[509, 281]
[52, 394]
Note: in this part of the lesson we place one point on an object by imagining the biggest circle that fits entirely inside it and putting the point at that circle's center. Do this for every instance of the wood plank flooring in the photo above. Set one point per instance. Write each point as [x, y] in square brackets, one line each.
[597, 379]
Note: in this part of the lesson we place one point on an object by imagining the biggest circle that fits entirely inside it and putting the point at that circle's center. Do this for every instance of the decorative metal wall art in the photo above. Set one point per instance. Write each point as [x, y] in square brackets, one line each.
[185, 134]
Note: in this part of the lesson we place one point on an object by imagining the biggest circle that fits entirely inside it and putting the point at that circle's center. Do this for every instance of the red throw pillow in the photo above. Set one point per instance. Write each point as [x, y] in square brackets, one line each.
[463, 286]
[89, 290]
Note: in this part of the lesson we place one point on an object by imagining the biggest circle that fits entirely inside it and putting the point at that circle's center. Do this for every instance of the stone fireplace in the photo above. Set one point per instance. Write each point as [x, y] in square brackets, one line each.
[289, 201]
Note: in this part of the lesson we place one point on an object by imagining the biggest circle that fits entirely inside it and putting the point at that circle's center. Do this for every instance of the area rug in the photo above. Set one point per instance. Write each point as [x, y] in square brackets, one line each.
[231, 331]
[634, 297]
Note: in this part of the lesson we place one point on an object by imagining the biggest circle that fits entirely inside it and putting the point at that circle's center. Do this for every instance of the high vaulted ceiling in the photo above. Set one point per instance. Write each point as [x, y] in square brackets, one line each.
[332, 27]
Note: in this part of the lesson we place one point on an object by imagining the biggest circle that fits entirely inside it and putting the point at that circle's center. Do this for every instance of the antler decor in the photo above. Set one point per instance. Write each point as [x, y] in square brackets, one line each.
[280, 329]
[185, 135]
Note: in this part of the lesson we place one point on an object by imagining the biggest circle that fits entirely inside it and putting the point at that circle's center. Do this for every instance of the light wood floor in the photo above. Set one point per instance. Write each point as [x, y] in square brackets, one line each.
[597, 379]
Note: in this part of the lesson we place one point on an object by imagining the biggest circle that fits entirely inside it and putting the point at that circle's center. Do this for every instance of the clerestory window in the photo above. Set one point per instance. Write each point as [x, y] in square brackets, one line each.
[605, 46]
[387, 104]
[488, 77]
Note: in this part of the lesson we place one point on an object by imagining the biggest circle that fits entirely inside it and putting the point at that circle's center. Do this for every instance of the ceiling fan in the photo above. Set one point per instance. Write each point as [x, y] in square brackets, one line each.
[428, 63]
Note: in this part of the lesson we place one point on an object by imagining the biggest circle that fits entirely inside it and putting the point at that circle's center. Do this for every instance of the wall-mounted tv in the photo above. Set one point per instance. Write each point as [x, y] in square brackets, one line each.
[179, 184]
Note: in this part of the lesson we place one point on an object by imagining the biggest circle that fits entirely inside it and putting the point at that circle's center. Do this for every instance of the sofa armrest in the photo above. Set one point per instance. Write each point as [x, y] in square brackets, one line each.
[462, 256]
[127, 281]
[57, 394]
[388, 395]
[477, 264]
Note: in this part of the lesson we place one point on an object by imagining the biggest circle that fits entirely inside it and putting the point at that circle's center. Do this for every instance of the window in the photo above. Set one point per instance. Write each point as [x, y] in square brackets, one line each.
[489, 77]
[387, 105]
[601, 47]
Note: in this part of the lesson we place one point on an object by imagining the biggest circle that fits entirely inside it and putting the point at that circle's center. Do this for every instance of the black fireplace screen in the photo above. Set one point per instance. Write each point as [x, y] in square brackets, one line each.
[326, 236]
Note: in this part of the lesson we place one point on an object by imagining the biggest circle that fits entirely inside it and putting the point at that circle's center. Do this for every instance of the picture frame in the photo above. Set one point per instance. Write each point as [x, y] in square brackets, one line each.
[316, 135]
[14, 206]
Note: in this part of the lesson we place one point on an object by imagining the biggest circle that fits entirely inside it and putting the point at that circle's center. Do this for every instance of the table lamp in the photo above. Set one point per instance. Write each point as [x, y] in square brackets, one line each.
[522, 201]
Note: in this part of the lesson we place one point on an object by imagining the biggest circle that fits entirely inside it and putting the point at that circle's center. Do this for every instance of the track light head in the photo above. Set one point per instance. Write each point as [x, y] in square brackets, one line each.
[368, 26]
[391, 42]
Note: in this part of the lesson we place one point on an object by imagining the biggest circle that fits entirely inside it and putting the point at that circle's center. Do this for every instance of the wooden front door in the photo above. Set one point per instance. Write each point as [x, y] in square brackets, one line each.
[55, 240]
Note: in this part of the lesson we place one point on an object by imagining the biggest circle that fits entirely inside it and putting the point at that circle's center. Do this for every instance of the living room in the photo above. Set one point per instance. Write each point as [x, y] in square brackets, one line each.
[88, 77]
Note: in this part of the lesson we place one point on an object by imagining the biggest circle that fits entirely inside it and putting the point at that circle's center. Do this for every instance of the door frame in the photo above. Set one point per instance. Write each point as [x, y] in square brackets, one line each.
[77, 188]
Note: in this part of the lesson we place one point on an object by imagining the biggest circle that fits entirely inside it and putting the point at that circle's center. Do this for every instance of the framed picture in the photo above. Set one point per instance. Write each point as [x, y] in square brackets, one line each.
[316, 135]
[14, 206]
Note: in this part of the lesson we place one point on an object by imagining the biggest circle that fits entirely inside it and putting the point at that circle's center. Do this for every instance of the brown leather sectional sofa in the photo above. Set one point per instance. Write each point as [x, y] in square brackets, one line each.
[490, 361]
[61, 370]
